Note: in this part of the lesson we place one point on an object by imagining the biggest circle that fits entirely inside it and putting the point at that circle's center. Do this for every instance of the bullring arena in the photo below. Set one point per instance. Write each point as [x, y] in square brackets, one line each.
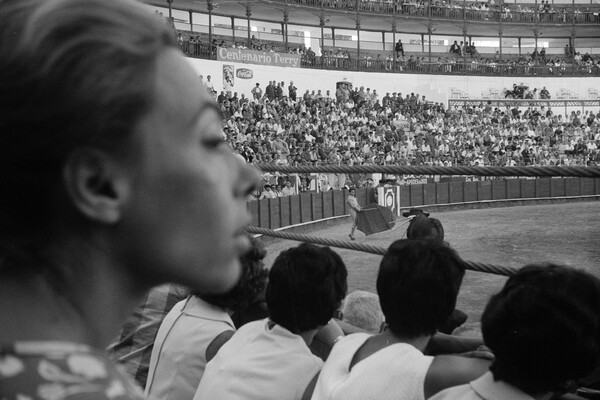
[481, 75]
[332, 85]
[300, 199]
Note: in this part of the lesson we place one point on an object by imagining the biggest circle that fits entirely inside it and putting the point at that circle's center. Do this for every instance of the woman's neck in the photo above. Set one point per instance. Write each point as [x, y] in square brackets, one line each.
[419, 342]
[30, 309]
[86, 303]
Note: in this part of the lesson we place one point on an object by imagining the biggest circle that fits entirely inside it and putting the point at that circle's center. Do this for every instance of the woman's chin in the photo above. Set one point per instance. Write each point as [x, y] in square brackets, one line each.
[223, 280]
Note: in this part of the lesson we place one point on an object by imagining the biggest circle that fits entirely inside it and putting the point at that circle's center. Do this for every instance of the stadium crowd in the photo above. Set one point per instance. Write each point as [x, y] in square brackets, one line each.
[489, 10]
[360, 127]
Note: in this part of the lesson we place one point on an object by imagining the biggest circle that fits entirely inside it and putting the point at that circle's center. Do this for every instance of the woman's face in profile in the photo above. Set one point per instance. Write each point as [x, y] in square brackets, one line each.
[187, 203]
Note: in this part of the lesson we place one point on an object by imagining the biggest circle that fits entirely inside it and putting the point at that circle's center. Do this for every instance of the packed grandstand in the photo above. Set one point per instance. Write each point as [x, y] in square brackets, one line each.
[357, 127]
[275, 122]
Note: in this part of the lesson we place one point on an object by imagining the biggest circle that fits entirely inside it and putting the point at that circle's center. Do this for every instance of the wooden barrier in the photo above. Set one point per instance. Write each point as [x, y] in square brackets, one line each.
[429, 193]
[308, 207]
[305, 208]
[484, 190]
[470, 191]
[542, 188]
[527, 188]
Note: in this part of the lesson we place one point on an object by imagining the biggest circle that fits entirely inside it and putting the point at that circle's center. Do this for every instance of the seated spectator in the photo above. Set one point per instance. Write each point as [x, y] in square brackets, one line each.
[268, 193]
[270, 359]
[424, 227]
[362, 309]
[287, 190]
[197, 327]
[277, 190]
[418, 283]
[544, 329]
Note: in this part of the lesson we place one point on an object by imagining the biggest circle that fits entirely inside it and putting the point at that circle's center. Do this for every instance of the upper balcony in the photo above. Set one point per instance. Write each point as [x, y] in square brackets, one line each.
[365, 32]
[562, 18]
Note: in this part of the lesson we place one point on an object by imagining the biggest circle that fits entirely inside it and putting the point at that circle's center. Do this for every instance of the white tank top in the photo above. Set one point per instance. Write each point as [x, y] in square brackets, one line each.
[262, 361]
[395, 372]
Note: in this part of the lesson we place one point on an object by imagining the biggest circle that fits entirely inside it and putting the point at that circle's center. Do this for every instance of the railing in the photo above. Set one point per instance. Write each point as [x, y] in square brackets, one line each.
[560, 15]
[199, 50]
[457, 66]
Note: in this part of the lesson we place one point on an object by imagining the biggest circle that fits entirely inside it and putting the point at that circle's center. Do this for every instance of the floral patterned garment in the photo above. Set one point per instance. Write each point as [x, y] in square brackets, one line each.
[59, 370]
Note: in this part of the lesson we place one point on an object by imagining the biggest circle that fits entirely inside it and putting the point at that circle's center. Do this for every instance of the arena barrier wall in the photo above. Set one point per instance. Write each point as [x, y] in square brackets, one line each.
[310, 207]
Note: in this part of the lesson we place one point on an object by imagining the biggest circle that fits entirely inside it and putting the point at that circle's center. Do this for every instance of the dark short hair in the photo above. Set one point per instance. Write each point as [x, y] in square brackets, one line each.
[544, 327]
[418, 282]
[307, 284]
[423, 227]
[252, 282]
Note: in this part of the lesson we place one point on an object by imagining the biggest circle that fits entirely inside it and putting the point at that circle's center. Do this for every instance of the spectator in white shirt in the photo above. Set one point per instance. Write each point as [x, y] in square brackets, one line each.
[268, 193]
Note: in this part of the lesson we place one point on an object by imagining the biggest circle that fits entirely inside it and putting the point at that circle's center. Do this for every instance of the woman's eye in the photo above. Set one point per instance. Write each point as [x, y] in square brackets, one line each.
[214, 143]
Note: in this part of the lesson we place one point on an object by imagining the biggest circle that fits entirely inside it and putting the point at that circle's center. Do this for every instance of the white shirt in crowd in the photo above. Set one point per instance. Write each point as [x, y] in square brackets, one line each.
[262, 361]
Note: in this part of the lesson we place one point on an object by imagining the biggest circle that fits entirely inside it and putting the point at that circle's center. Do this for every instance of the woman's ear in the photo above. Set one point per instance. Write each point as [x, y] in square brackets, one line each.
[96, 184]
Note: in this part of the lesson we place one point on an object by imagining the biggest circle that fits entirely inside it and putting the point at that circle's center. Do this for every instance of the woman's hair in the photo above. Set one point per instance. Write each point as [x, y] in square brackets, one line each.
[73, 73]
[306, 285]
[252, 282]
[544, 328]
[417, 284]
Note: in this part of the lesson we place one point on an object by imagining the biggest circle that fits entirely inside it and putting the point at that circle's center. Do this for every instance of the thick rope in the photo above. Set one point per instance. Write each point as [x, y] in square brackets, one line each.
[345, 244]
[587, 172]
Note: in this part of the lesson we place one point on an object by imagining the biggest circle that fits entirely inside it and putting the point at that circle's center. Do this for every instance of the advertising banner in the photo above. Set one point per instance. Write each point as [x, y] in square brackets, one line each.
[228, 77]
[244, 73]
[258, 57]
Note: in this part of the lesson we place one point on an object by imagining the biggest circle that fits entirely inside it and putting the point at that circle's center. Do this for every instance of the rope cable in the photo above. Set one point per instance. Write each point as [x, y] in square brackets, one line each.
[367, 248]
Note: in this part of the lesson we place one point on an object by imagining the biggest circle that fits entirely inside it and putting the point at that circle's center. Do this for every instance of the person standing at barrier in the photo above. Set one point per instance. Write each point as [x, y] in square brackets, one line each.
[354, 210]
[111, 158]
